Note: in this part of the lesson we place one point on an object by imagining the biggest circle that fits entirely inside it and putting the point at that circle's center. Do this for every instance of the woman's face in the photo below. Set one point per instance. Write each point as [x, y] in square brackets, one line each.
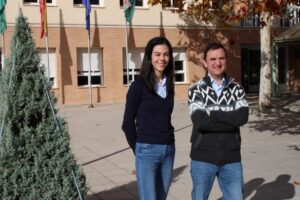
[160, 58]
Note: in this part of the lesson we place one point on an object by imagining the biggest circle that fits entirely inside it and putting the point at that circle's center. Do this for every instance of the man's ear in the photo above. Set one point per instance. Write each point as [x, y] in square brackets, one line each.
[204, 63]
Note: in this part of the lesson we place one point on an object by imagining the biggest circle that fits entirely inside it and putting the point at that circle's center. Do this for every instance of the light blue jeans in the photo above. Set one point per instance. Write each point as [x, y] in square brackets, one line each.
[154, 168]
[230, 178]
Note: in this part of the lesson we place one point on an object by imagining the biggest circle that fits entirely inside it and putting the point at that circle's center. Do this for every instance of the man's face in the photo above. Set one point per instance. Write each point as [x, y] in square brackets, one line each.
[215, 63]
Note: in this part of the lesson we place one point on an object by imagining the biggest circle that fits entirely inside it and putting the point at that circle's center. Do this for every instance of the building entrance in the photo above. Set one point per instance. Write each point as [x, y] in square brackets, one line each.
[250, 58]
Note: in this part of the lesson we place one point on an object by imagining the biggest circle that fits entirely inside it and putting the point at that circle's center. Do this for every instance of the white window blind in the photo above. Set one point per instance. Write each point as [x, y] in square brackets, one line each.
[83, 60]
[83, 66]
[52, 64]
[135, 59]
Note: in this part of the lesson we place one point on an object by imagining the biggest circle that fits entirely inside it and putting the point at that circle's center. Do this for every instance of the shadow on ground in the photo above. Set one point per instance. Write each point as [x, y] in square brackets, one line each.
[280, 119]
[279, 189]
[127, 191]
[279, 122]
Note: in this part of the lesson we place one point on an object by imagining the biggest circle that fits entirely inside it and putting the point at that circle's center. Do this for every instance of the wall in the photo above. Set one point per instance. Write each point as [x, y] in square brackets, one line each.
[67, 33]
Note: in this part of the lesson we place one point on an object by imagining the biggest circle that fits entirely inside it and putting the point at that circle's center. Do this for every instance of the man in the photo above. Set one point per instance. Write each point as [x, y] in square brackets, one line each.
[218, 107]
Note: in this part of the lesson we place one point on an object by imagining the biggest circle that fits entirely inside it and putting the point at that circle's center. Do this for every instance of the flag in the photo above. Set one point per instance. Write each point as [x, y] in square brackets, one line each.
[129, 6]
[87, 5]
[43, 11]
[2, 16]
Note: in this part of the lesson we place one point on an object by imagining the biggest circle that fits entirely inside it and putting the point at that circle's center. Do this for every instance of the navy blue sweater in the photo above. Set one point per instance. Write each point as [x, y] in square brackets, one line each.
[147, 116]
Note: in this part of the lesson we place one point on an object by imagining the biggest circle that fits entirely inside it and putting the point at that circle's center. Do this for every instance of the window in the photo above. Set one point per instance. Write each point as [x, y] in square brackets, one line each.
[52, 64]
[93, 2]
[292, 16]
[138, 3]
[251, 21]
[250, 58]
[171, 4]
[134, 65]
[83, 67]
[180, 66]
[37, 1]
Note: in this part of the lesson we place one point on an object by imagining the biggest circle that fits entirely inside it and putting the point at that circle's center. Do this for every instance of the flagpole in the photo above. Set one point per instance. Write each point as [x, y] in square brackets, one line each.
[128, 10]
[87, 5]
[3, 41]
[47, 53]
[44, 32]
[90, 77]
[127, 55]
[3, 52]
[47, 46]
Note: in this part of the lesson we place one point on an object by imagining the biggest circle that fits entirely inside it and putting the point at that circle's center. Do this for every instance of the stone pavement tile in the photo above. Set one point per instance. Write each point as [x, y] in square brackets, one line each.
[102, 165]
[179, 191]
[94, 178]
[100, 188]
[123, 179]
[134, 192]
[117, 194]
[121, 157]
[129, 166]
[270, 151]
[114, 173]
[131, 186]
[82, 154]
[183, 179]
[109, 151]
[93, 197]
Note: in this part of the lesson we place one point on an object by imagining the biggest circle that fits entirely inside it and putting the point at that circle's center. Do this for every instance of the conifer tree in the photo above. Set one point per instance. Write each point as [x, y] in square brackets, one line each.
[35, 157]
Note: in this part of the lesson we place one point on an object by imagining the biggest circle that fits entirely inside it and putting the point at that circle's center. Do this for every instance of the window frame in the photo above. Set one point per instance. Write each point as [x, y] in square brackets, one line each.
[82, 72]
[291, 18]
[251, 21]
[144, 2]
[171, 6]
[101, 4]
[181, 57]
[52, 64]
[54, 2]
[178, 55]
[134, 69]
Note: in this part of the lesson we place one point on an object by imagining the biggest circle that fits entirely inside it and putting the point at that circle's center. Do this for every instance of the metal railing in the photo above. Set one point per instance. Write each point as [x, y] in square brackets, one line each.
[291, 18]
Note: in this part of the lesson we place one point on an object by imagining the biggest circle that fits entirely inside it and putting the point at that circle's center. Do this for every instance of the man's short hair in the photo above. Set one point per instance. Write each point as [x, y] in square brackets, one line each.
[214, 46]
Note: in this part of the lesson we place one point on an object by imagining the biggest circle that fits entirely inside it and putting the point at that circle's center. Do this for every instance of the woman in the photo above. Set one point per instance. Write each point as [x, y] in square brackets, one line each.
[147, 120]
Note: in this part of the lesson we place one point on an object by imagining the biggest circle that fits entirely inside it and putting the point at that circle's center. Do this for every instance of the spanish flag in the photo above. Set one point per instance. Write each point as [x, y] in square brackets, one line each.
[43, 11]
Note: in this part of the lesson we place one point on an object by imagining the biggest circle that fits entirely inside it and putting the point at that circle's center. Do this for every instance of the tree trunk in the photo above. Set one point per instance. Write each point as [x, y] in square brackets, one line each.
[265, 71]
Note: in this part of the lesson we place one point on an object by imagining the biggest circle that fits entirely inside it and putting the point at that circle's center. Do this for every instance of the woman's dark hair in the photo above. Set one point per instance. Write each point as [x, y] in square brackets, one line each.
[147, 71]
[214, 46]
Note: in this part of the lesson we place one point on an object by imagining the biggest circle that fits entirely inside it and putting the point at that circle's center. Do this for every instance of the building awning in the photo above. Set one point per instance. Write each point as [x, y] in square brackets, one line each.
[290, 35]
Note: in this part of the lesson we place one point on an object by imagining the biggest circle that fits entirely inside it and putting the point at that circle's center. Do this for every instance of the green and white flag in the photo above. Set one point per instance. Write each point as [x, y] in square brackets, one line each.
[2, 17]
[129, 6]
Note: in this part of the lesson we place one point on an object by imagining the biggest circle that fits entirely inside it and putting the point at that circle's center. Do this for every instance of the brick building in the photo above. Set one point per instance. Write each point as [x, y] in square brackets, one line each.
[68, 46]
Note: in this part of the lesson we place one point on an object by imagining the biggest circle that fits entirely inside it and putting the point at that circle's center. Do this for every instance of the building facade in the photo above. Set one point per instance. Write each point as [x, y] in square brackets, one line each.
[68, 47]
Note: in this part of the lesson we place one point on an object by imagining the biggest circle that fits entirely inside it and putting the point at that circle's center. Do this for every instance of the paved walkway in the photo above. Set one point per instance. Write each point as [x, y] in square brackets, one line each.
[270, 153]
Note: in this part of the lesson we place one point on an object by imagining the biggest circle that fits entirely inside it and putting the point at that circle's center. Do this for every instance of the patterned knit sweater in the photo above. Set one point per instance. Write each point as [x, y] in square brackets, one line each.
[216, 120]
